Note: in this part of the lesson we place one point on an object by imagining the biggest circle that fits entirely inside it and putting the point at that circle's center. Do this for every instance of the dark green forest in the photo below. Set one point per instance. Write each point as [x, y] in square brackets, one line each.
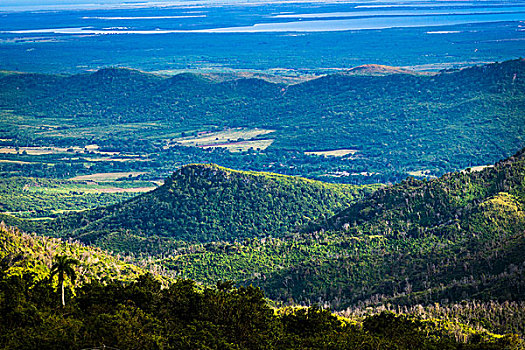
[454, 238]
[147, 313]
[443, 240]
[208, 203]
[366, 212]
[395, 125]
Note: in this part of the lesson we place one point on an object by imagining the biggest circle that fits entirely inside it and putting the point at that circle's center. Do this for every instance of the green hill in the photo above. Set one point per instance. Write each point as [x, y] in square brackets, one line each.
[209, 203]
[444, 240]
[420, 208]
[392, 125]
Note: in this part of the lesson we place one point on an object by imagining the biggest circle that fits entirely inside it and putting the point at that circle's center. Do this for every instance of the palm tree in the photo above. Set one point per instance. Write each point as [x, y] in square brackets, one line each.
[62, 267]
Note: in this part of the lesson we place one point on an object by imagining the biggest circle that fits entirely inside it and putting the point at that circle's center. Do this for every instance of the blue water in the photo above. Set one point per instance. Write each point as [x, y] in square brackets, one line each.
[180, 17]
[371, 23]
[261, 35]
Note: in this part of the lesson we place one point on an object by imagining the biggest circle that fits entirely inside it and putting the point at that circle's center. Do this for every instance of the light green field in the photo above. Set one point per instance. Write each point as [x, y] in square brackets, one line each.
[34, 198]
[13, 161]
[480, 167]
[93, 188]
[420, 173]
[333, 153]
[234, 140]
[107, 159]
[107, 176]
[38, 151]
[243, 146]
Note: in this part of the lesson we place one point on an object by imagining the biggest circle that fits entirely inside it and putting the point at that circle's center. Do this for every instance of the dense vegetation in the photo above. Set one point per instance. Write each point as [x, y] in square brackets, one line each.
[143, 315]
[386, 119]
[444, 240]
[25, 254]
[443, 253]
[41, 197]
[209, 203]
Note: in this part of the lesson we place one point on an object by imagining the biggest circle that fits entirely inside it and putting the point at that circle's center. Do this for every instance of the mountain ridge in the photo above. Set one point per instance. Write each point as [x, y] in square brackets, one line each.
[110, 73]
[204, 202]
[386, 119]
[391, 246]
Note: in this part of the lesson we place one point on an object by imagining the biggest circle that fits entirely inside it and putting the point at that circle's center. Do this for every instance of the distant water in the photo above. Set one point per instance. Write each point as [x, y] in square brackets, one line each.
[406, 12]
[371, 23]
[253, 18]
[311, 36]
[303, 26]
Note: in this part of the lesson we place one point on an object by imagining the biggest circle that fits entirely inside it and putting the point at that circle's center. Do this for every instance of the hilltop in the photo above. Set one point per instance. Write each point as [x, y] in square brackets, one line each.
[206, 202]
[418, 208]
[455, 238]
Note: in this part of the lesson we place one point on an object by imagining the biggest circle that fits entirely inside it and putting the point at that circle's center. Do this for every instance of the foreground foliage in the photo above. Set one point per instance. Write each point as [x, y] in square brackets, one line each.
[32, 255]
[112, 305]
[141, 315]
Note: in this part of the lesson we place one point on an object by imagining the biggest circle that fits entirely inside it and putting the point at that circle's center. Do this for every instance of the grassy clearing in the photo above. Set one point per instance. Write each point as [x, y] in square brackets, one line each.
[243, 146]
[39, 151]
[126, 190]
[222, 138]
[481, 167]
[106, 159]
[14, 161]
[108, 176]
[333, 153]
[420, 173]
[28, 197]
[93, 187]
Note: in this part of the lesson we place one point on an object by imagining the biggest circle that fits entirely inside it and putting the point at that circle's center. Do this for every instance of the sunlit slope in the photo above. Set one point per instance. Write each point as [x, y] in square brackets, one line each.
[449, 239]
[22, 253]
[208, 202]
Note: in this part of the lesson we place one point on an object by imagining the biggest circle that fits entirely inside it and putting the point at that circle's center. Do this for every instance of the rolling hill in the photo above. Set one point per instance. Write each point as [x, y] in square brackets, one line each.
[202, 203]
[378, 69]
[456, 238]
[395, 124]
[443, 240]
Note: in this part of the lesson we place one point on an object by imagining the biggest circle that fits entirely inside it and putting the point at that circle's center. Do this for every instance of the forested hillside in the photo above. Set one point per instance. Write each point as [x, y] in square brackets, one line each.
[456, 201]
[443, 240]
[127, 311]
[339, 128]
[444, 253]
[22, 253]
[208, 203]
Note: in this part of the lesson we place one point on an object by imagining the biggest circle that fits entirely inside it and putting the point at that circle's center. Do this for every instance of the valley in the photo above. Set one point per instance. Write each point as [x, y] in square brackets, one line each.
[399, 262]
[262, 175]
[122, 120]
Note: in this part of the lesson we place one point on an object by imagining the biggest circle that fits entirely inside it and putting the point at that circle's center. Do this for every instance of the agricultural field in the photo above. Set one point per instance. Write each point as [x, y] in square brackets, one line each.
[333, 153]
[26, 197]
[234, 140]
[339, 127]
[105, 177]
